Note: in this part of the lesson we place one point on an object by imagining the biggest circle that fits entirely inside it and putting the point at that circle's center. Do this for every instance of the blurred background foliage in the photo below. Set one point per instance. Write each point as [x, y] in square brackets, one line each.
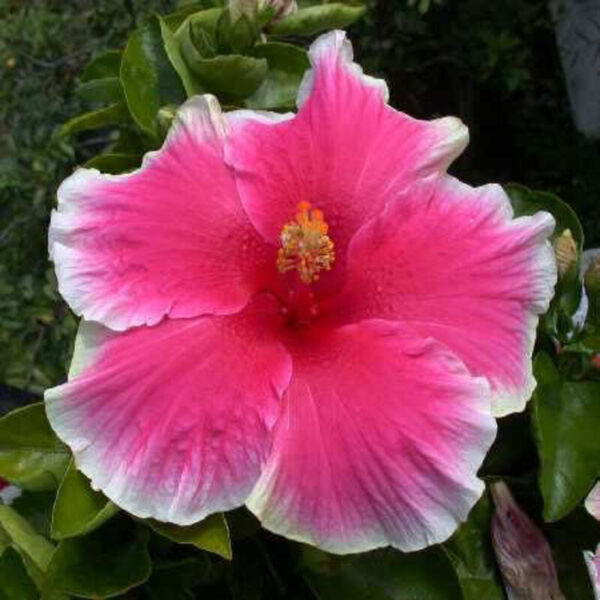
[495, 65]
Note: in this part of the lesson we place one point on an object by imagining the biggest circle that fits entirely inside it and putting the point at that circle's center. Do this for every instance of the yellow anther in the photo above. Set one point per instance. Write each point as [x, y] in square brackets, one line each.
[305, 245]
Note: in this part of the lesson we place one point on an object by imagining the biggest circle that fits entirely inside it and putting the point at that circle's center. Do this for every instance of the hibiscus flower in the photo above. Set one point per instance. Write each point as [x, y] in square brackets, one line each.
[302, 313]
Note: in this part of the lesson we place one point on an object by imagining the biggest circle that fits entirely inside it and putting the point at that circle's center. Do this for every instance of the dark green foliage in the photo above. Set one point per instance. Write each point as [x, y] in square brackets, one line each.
[44, 45]
[496, 65]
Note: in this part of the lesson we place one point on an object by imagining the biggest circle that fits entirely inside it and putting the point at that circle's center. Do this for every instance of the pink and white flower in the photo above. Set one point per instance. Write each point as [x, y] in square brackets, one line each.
[303, 313]
[592, 502]
[592, 561]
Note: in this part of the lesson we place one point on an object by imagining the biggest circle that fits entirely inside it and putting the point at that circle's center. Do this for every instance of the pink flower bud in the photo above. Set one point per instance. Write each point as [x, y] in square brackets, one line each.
[592, 562]
[522, 552]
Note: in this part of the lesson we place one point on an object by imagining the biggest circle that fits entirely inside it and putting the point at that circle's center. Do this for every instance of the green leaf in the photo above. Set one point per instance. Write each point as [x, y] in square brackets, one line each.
[34, 549]
[103, 117]
[78, 508]
[36, 508]
[232, 76]
[314, 19]
[30, 453]
[470, 551]
[104, 65]
[15, 583]
[107, 90]
[24, 537]
[175, 19]
[236, 37]
[173, 50]
[381, 575]
[148, 78]
[201, 30]
[569, 288]
[287, 65]
[211, 534]
[114, 162]
[527, 202]
[104, 563]
[565, 417]
[172, 580]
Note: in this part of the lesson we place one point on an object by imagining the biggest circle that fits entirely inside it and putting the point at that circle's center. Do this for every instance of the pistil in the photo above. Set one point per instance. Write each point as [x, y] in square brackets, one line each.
[306, 245]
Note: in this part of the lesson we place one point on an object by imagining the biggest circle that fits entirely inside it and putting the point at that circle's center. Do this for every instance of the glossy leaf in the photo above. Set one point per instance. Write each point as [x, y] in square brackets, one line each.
[113, 162]
[104, 563]
[15, 583]
[173, 580]
[78, 508]
[24, 537]
[232, 76]
[36, 508]
[107, 90]
[201, 28]
[30, 453]
[287, 65]
[527, 202]
[471, 553]
[238, 36]
[314, 19]
[381, 575]
[211, 534]
[565, 417]
[103, 117]
[104, 65]
[173, 49]
[175, 20]
[558, 321]
[148, 78]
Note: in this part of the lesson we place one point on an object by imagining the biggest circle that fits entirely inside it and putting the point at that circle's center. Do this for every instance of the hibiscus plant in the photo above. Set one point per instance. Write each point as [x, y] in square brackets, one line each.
[310, 364]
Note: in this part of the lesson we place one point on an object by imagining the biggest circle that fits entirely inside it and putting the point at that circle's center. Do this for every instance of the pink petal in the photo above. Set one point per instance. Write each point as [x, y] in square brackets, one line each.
[450, 260]
[592, 562]
[346, 152]
[172, 422]
[378, 443]
[170, 238]
[592, 502]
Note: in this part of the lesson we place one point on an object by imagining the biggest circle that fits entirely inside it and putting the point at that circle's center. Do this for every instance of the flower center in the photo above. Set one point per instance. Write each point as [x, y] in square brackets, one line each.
[305, 245]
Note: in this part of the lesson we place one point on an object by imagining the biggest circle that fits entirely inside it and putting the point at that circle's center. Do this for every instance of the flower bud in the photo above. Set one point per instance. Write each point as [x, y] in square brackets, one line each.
[251, 8]
[565, 250]
[592, 276]
[282, 8]
[592, 562]
[522, 552]
[164, 118]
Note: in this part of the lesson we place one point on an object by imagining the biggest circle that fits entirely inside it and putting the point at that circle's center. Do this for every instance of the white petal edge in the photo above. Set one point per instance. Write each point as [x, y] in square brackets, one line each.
[203, 115]
[336, 42]
[442, 526]
[507, 401]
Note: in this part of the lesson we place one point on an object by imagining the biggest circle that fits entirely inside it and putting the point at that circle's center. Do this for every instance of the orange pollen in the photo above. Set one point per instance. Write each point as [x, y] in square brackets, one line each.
[305, 245]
